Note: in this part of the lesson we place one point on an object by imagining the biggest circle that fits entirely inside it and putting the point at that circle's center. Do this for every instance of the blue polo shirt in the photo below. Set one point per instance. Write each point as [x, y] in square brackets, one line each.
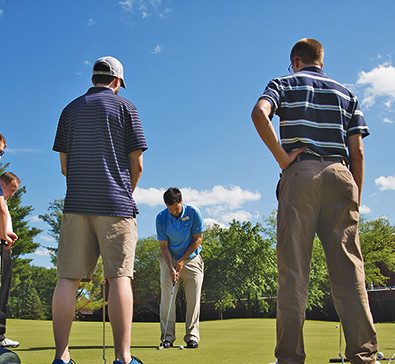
[178, 232]
[315, 111]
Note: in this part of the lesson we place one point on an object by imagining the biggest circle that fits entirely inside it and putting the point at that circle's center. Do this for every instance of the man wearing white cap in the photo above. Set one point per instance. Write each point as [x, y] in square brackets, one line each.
[100, 141]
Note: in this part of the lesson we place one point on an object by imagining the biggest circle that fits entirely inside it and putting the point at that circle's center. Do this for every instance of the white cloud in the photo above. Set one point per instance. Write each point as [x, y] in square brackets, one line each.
[208, 222]
[23, 150]
[388, 121]
[379, 82]
[87, 63]
[35, 218]
[363, 209]
[149, 196]
[385, 183]
[221, 204]
[46, 238]
[1, 13]
[141, 6]
[157, 49]
[90, 22]
[43, 252]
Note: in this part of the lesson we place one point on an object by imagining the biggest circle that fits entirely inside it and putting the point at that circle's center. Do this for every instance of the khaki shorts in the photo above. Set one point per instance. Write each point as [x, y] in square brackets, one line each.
[84, 237]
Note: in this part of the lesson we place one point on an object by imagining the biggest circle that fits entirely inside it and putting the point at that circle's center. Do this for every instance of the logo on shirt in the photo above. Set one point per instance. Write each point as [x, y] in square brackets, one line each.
[185, 218]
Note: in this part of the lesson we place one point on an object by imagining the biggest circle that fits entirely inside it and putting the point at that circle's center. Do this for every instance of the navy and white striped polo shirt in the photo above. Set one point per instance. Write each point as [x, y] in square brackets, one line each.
[97, 131]
[315, 111]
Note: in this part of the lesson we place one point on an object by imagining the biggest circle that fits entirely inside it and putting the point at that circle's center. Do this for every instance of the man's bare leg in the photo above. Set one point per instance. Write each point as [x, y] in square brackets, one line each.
[63, 309]
[120, 311]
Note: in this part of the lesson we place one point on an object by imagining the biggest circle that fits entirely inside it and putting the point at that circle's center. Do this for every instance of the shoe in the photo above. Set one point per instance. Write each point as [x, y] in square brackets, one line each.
[134, 361]
[60, 361]
[192, 344]
[167, 344]
[7, 343]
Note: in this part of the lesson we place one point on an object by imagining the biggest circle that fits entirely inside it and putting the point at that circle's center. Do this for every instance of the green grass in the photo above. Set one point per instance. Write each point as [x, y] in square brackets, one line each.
[229, 341]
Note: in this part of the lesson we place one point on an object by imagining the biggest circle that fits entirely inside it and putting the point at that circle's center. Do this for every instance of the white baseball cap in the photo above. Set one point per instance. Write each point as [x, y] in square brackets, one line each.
[116, 68]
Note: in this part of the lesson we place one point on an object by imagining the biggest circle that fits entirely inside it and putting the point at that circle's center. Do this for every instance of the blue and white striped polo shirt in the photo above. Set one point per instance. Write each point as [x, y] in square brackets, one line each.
[97, 131]
[315, 111]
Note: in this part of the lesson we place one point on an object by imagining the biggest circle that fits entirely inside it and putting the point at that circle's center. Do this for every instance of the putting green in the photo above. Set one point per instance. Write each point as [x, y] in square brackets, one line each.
[228, 341]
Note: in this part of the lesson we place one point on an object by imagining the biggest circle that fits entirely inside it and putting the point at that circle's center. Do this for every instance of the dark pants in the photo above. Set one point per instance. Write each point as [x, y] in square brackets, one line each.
[6, 275]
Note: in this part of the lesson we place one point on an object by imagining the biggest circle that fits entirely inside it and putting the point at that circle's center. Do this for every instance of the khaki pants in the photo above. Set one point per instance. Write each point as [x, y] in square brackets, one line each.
[192, 277]
[321, 197]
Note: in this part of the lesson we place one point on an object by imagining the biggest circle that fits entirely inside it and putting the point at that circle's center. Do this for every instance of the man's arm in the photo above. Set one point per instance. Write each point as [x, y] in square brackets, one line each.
[136, 167]
[195, 243]
[8, 236]
[164, 248]
[63, 163]
[260, 116]
[357, 168]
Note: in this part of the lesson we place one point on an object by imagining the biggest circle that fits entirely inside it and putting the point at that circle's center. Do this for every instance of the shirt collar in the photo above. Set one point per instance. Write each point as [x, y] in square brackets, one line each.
[313, 69]
[96, 89]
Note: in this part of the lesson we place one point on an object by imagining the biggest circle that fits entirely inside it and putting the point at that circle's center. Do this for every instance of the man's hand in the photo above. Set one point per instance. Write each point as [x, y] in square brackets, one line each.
[174, 275]
[260, 116]
[11, 238]
[179, 265]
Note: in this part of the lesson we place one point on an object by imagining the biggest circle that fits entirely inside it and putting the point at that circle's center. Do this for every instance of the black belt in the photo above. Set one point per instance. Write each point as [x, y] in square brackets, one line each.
[308, 156]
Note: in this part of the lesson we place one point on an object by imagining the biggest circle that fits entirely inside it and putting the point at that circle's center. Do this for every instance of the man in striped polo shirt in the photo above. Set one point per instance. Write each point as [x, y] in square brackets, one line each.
[100, 141]
[321, 131]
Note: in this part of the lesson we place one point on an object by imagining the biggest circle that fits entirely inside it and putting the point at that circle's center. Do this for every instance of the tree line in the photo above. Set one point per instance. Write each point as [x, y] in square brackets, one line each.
[240, 265]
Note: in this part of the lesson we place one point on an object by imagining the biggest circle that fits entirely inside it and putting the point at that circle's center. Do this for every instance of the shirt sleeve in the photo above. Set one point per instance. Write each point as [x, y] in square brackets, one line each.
[1, 191]
[60, 143]
[198, 223]
[273, 95]
[134, 136]
[160, 232]
[357, 123]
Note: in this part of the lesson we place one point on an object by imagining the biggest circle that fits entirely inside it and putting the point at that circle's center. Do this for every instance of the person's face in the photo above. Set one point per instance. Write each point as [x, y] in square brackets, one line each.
[175, 209]
[10, 189]
[1, 149]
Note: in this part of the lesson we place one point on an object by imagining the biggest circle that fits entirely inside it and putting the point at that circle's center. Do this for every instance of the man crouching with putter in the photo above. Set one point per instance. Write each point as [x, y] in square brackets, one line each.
[180, 230]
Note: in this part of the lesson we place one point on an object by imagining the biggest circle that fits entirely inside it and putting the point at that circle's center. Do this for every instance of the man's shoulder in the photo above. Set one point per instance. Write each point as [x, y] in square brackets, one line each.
[192, 210]
[162, 215]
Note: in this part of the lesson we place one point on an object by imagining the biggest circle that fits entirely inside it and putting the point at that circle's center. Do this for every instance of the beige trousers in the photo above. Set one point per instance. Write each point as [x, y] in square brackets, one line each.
[321, 197]
[192, 277]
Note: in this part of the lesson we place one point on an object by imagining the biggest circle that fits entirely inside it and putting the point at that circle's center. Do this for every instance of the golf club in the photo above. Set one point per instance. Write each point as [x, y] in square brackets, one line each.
[341, 359]
[160, 347]
[104, 319]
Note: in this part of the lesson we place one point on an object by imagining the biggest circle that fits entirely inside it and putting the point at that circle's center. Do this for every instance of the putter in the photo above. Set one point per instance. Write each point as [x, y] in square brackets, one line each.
[160, 347]
[6, 356]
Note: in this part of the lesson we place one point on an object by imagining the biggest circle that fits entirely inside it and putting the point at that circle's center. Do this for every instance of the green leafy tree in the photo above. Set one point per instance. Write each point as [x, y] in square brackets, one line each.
[378, 248]
[32, 308]
[146, 284]
[240, 267]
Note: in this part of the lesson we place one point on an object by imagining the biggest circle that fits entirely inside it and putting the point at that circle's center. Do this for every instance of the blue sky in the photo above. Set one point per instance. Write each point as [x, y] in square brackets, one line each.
[194, 70]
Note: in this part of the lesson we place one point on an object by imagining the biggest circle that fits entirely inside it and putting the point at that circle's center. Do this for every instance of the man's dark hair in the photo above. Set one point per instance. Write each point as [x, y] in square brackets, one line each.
[102, 79]
[309, 51]
[8, 177]
[172, 195]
